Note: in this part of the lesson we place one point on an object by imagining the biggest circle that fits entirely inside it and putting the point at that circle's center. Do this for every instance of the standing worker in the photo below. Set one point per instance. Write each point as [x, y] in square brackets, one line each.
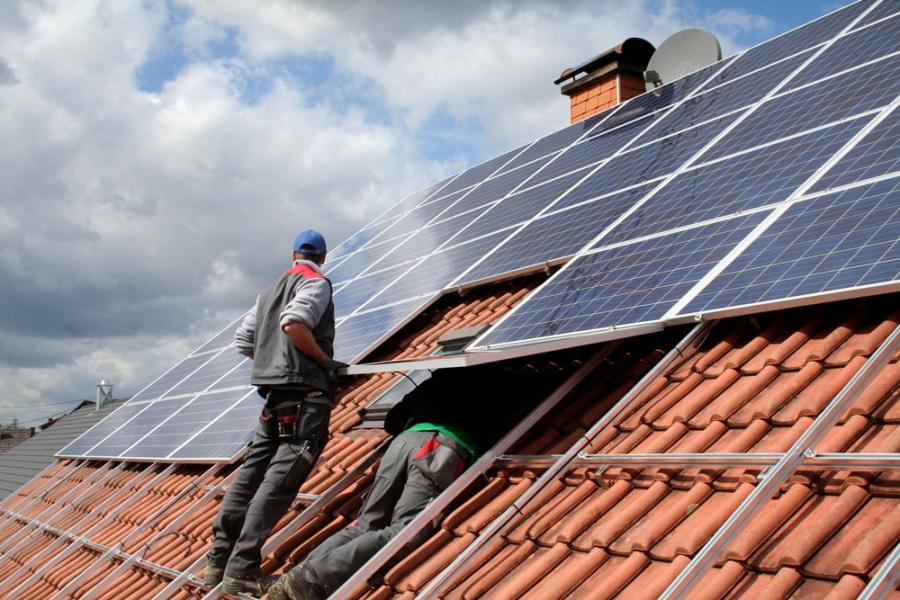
[440, 428]
[289, 334]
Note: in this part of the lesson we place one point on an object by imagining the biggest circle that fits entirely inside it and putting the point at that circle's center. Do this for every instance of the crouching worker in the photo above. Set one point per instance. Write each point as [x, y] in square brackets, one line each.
[439, 429]
[289, 335]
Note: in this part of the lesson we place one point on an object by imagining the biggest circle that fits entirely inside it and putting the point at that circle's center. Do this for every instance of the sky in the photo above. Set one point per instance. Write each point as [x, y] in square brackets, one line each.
[159, 157]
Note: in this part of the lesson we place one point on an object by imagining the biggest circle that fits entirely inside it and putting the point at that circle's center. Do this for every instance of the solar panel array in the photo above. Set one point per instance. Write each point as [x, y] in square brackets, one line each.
[764, 178]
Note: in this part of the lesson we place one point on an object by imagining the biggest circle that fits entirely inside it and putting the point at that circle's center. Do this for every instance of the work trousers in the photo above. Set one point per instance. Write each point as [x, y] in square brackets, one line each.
[415, 469]
[265, 485]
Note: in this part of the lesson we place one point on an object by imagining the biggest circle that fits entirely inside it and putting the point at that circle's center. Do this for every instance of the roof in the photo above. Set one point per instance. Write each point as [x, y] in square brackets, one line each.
[752, 385]
[30, 457]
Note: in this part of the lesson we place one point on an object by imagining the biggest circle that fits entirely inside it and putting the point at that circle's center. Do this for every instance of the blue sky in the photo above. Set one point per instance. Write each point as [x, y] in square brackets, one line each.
[161, 155]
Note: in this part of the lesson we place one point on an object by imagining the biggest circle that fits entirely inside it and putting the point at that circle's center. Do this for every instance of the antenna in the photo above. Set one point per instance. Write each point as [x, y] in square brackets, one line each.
[682, 53]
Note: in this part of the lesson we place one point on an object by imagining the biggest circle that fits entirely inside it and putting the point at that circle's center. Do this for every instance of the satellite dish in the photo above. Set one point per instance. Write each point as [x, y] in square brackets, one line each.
[682, 53]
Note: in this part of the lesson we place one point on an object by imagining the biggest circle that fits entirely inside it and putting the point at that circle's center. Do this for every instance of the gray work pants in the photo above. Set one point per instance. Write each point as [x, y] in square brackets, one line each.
[416, 468]
[264, 487]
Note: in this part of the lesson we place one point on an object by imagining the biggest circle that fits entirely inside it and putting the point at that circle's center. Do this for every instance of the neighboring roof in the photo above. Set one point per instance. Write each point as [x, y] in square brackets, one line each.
[33, 455]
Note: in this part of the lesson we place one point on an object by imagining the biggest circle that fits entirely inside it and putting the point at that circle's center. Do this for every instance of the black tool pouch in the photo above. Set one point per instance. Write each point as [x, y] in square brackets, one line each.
[312, 421]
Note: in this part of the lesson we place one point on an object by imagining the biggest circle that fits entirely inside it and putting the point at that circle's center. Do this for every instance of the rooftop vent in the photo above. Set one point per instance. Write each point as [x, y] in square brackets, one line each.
[104, 393]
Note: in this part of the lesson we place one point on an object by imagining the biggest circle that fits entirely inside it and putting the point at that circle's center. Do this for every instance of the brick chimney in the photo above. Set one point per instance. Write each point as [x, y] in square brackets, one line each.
[607, 79]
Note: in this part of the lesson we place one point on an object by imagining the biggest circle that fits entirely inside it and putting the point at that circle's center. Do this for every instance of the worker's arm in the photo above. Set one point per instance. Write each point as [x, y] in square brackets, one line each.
[302, 337]
[245, 334]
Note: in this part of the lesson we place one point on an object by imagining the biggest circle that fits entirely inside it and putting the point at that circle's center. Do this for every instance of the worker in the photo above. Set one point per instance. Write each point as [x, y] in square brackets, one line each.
[440, 428]
[289, 334]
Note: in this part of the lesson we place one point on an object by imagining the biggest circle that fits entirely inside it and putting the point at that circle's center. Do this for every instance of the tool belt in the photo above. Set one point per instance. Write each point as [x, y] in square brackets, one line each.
[295, 419]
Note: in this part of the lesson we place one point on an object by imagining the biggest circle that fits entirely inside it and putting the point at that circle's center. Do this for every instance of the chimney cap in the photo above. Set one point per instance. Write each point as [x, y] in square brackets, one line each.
[632, 54]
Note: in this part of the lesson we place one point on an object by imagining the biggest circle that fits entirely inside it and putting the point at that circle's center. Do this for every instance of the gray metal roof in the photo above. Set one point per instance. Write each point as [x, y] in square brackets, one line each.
[32, 456]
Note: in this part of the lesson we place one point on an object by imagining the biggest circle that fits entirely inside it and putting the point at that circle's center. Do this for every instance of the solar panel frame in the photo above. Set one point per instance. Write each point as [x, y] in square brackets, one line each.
[575, 302]
[154, 413]
[177, 431]
[877, 154]
[239, 420]
[830, 243]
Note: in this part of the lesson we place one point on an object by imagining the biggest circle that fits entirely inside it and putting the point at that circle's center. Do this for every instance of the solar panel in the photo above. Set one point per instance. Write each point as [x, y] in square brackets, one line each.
[212, 371]
[226, 435]
[624, 285]
[844, 240]
[121, 439]
[843, 96]
[877, 154]
[668, 204]
[876, 40]
[171, 434]
[743, 182]
[360, 331]
[553, 236]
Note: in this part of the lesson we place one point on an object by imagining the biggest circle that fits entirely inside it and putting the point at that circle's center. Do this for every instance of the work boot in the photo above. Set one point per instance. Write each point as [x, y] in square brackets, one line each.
[213, 574]
[255, 586]
[291, 586]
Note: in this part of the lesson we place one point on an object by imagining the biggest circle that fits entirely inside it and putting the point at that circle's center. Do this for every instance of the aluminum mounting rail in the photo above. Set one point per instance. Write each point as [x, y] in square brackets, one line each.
[443, 580]
[778, 473]
[812, 460]
[884, 580]
[77, 492]
[124, 498]
[484, 462]
[133, 558]
[34, 497]
[156, 515]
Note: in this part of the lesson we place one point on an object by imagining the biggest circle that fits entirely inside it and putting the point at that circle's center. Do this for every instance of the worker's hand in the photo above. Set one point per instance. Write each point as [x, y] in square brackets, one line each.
[331, 367]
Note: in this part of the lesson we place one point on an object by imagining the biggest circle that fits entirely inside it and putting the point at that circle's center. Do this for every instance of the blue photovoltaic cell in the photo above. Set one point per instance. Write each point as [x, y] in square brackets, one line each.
[554, 236]
[98, 432]
[211, 372]
[175, 431]
[359, 261]
[645, 163]
[493, 189]
[592, 150]
[764, 176]
[438, 270]
[221, 339]
[885, 9]
[361, 331]
[557, 140]
[359, 291]
[426, 240]
[225, 437]
[479, 172]
[806, 36]
[843, 240]
[172, 377]
[239, 376]
[876, 154]
[408, 203]
[359, 239]
[519, 207]
[416, 218]
[723, 99]
[153, 414]
[852, 93]
[621, 286]
[848, 51]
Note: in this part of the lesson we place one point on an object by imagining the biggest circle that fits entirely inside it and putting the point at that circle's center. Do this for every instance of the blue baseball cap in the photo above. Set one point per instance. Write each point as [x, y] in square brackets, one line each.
[310, 242]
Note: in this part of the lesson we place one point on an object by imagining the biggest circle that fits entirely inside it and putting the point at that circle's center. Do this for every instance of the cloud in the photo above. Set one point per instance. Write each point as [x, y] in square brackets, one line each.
[160, 158]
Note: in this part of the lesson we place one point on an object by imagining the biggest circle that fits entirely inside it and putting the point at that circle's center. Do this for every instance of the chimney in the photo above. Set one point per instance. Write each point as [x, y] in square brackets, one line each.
[607, 79]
